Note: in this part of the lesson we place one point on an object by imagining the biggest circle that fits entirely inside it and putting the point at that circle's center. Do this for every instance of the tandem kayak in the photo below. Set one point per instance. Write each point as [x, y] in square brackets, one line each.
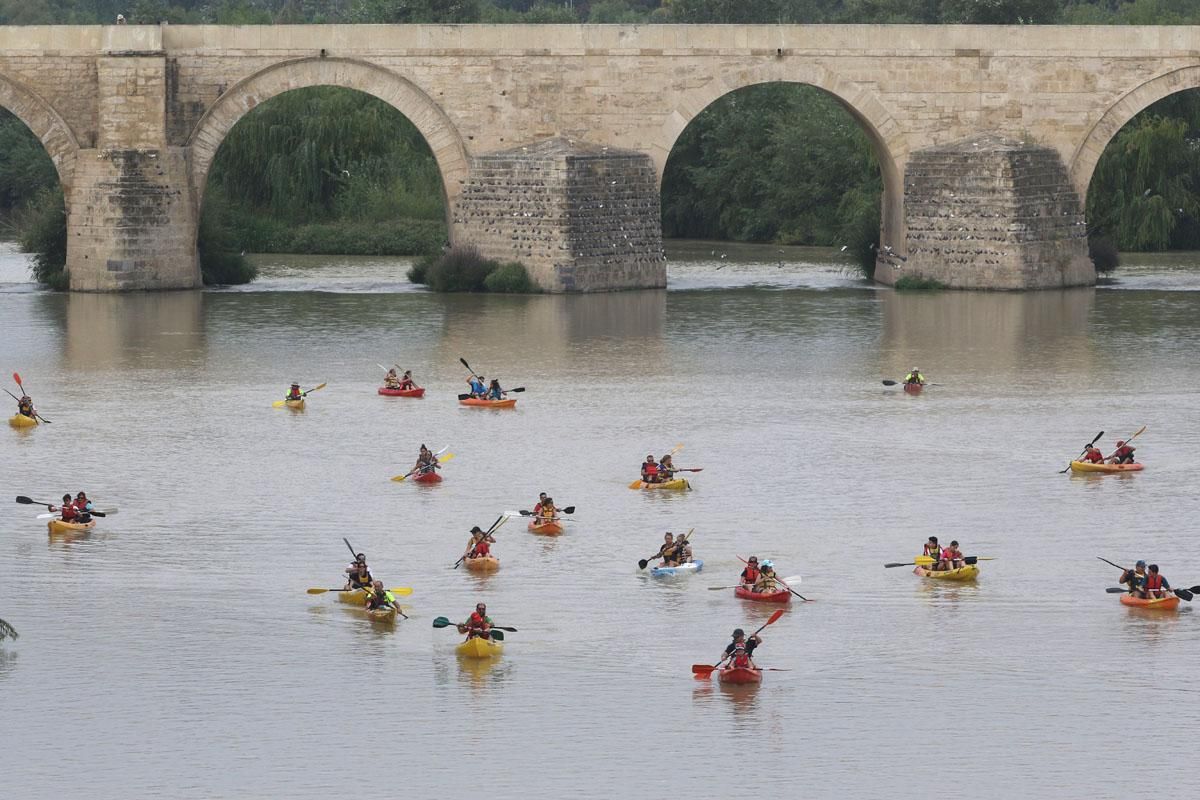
[1087, 466]
[964, 573]
[416, 391]
[428, 477]
[385, 615]
[22, 421]
[677, 483]
[550, 527]
[355, 597]
[1158, 603]
[781, 596]
[479, 402]
[482, 564]
[739, 675]
[479, 647]
[58, 526]
[682, 569]
[296, 404]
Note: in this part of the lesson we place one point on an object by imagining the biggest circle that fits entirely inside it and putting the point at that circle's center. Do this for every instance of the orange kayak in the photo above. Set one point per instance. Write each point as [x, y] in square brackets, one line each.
[1158, 604]
[781, 596]
[482, 564]
[479, 402]
[739, 675]
[549, 528]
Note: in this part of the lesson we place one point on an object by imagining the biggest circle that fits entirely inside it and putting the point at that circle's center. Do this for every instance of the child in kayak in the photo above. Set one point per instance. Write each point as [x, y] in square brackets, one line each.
[1123, 454]
[478, 547]
[666, 468]
[1156, 585]
[25, 407]
[358, 575]
[740, 650]
[67, 509]
[650, 471]
[952, 557]
[380, 598]
[494, 391]
[750, 574]
[547, 511]
[478, 625]
[83, 507]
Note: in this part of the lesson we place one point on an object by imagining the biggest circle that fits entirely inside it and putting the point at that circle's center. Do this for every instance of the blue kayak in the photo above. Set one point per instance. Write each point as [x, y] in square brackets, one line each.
[682, 569]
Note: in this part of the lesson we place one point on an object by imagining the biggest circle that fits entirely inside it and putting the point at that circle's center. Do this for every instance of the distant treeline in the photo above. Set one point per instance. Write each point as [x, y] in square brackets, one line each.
[327, 170]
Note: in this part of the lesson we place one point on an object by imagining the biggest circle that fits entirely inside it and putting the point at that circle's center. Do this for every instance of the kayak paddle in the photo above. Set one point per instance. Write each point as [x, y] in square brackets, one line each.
[403, 591]
[706, 670]
[306, 393]
[442, 460]
[500, 520]
[781, 580]
[1141, 430]
[922, 561]
[505, 391]
[524, 513]
[699, 669]
[1092, 442]
[1182, 594]
[643, 562]
[443, 622]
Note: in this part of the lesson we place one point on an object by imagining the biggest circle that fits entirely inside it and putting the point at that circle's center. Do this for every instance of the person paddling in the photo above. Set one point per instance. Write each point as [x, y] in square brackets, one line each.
[494, 391]
[666, 468]
[766, 582]
[358, 575]
[25, 407]
[1123, 454]
[426, 462]
[83, 507]
[67, 509]
[479, 546]
[670, 550]
[294, 393]
[391, 380]
[952, 557]
[1156, 585]
[750, 574]
[650, 470]
[379, 598]
[740, 650]
[1092, 455]
[933, 550]
[1136, 578]
[477, 389]
[478, 625]
[914, 378]
[537, 507]
[406, 380]
[547, 511]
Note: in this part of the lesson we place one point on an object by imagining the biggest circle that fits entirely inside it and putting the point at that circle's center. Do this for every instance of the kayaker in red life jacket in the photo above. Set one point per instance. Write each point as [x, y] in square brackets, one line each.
[537, 507]
[406, 381]
[1092, 455]
[650, 471]
[83, 507]
[1123, 454]
[479, 624]
[750, 573]
[741, 649]
[358, 575]
[294, 393]
[478, 547]
[68, 510]
[1136, 578]
[1156, 584]
[952, 557]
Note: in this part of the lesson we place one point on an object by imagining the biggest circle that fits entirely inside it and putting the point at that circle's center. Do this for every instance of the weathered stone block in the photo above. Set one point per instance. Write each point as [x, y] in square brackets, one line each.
[580, 217]
[992, 213]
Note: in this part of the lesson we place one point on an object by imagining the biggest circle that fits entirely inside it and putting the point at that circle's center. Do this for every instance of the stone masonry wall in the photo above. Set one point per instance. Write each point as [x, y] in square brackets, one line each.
[580, 217]
[994, 213]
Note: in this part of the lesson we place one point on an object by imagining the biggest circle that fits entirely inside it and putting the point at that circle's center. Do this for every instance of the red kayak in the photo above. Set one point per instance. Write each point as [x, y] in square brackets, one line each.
[913, 388]
[782, 596]
[416, 391]
[740, 675]
[428, 477]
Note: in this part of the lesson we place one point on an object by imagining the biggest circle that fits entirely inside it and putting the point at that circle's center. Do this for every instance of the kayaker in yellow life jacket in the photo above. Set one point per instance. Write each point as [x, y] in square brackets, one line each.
[914, 377]
[766, 578]
[380, 597]
[294, 393]
[358, 576]
[547, 511]
[741, 649]
[1136, 578]
[933, 550]
[391, 380]
[25, 407]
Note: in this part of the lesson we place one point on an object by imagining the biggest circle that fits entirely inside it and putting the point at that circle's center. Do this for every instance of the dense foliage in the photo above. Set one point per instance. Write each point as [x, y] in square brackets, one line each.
[464, 269]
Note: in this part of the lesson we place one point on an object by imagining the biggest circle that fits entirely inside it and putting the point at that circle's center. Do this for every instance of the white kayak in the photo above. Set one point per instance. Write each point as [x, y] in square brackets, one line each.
[682, 569]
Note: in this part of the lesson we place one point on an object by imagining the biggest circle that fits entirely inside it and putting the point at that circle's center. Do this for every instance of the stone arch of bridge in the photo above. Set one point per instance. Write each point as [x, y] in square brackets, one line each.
[887, 138]
[403, 95]
[41, 118]
[1087, 154]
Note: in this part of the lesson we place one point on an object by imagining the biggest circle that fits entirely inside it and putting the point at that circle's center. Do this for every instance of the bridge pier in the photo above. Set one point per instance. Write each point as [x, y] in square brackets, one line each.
[131, 215]
[988, 212]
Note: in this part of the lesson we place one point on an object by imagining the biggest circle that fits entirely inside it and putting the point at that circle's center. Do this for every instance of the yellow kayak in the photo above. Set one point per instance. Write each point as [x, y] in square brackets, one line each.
[965, 573]
[355, 597]
[58, 526]
[296, 404]
[1087, 466]
[677, 483]
[479, 648]
[22, 421]
[386, 615]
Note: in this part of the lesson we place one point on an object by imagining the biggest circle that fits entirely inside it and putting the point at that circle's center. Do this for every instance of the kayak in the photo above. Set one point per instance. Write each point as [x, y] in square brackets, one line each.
[416, 391]
[739, 675]
[22, 421]
[781, 596]
[428, 477]
[1087, 466]
[549, 528]
[913, 388]
[479, 647]
[677, 483]
[355, 597]
[1158, 603]
[296, 404]
[964, 573]
[58, 526]
[682, 569]
[482, 564]
[479, 402]
[381, 614]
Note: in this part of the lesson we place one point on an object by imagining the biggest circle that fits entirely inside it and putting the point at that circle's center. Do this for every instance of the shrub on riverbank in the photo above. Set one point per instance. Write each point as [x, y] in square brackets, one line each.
[400, 237]
[42, 232]
[1103, 253]
[464, 269]
[220, 261]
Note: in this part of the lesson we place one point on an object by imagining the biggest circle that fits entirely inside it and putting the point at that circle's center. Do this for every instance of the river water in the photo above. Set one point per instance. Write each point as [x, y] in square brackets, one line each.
[174, 651]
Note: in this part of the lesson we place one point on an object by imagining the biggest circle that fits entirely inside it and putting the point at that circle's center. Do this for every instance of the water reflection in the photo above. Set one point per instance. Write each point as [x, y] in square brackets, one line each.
[143, 330]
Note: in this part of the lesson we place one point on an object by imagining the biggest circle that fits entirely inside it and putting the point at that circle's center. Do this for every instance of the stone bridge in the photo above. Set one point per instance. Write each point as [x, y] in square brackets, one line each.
[552, 139]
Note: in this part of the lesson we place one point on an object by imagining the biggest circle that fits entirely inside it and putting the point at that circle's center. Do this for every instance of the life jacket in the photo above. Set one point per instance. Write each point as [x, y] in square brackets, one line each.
[406, 383]
[914, 377]
[766, 583]
[650, 470]
[25, 409]
[1154, 583]
[480, 548]
[750, 575]
[931, 549]
[740, 657]
[1094, 457]
[361, 575]
[477, 387]
[69, 513]
[294, 394]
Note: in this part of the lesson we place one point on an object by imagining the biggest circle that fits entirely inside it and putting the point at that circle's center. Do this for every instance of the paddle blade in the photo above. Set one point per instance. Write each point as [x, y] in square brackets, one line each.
[318, 591]
[889, 566]
[792, 579]
[642, 563]
[518, 389]
[403, 591]
[17, 378]
[399, 478]
[774, 618]
[465, 364]
[497, 635]
[464, 396]
[890, 383]
[1116, 590]
[636, 485]
[702, 669]
[1184, 594]
[569, 510]
[316, 388]
[445, 458]
[441, 622]
[278, 404]
[26, 501]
